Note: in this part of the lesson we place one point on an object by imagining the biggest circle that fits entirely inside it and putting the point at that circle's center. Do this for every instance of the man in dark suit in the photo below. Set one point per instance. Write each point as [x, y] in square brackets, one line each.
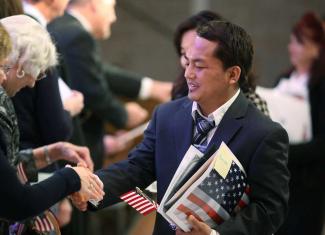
[41, 115]
[217, 63]
[75, 34]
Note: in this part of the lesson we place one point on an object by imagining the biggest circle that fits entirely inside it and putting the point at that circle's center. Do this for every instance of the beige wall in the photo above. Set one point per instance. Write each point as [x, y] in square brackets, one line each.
[142, 35]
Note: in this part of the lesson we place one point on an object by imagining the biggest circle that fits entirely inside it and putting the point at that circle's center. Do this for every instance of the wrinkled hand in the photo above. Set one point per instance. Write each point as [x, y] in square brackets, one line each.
[136, 114]
[91, 188]
[161, 91]
[74, 103]
[71, 153]
[113, 144]
[198, 228]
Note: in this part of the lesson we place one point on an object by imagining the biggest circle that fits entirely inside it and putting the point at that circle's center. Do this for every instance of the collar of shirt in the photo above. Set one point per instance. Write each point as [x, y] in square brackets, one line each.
[29, 9]
[218, 114]
[83, 21]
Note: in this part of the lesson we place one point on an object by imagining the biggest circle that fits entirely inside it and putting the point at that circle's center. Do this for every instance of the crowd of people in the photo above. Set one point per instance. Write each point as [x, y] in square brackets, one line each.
[57, 95]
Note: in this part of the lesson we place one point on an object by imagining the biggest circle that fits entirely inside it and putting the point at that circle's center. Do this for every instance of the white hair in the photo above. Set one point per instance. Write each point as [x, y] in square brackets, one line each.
[32, 47]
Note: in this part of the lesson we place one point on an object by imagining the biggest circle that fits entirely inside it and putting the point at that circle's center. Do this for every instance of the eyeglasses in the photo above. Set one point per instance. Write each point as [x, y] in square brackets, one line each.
[41, 75]
[5, 68]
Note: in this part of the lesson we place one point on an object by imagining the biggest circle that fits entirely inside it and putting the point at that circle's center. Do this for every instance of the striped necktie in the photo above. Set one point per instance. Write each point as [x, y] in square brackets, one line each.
[202, 129]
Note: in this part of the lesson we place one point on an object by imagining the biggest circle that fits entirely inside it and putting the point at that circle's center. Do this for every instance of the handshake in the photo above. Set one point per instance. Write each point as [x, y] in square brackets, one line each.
[91, 188]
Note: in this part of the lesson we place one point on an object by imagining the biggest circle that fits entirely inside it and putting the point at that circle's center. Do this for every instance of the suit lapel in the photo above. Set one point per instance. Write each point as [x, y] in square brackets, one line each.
[231, 122]
[228, 127]
[183, 129]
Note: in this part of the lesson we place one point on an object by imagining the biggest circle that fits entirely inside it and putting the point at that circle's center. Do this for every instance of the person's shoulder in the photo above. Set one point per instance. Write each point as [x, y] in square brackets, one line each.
[177, 104]
[260, 121]
[61, 22]
[67, 29]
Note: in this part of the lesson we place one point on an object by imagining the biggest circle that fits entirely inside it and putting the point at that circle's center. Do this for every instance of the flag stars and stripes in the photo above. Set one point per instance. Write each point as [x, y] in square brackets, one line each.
[216, 198]
[229, 190]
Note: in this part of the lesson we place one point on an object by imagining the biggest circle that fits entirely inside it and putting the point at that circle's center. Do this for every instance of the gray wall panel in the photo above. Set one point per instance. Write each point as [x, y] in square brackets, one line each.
[142, 36]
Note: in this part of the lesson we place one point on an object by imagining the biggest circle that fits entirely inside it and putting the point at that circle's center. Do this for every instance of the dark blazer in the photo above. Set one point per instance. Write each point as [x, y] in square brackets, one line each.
[41, 117]
[89, 76]
[18, 201]
[260, 145]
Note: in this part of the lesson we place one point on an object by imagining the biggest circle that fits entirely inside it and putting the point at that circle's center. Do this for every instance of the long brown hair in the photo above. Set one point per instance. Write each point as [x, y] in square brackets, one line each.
[5, 43]
[310, 27]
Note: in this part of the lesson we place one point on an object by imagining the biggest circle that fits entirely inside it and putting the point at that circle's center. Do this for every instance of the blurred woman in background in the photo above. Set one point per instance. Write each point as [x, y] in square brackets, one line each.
[306, 80]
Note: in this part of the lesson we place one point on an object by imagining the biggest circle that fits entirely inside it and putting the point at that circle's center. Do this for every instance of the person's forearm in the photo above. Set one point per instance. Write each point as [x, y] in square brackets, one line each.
[41, 157]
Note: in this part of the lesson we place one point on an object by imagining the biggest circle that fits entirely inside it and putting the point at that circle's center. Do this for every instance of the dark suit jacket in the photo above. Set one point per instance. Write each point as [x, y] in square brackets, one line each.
[89, 76]
[260, 145]
[41, 117]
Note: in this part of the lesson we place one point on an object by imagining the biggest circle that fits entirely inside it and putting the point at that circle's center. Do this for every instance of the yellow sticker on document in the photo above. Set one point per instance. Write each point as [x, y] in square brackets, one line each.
[223, 160]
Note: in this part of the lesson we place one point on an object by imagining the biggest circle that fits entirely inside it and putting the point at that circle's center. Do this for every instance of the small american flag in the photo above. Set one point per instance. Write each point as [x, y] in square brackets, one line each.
[139, 201]
[216, 199]
[46, 222]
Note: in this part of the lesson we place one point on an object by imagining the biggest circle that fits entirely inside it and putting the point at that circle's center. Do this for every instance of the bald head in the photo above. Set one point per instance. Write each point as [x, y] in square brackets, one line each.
[99, 13]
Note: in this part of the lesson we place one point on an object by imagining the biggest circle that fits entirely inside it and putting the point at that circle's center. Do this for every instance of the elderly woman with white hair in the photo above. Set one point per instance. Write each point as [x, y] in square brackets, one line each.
[32, 54]
[26, 52]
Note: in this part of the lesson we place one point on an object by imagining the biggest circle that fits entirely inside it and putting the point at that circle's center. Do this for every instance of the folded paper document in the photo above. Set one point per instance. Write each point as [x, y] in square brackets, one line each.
[214, 193]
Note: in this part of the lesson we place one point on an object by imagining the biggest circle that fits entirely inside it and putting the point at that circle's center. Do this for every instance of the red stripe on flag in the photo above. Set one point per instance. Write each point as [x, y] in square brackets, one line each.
[132, 198]
[149, 210]
[126, 195]
[143, 207]
[40, 223]
[241, 204]
[37, 225]
[187, 211]
[138, 202]
[248, 190]
[209, 210]
[46, 225]
[21, 173]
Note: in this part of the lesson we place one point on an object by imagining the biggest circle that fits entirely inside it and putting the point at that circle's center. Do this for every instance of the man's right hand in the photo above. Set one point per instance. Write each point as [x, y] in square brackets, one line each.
[136, 114]
[91, 188]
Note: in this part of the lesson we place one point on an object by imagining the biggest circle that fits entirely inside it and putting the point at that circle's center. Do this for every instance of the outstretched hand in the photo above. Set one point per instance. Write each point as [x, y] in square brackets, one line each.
[72, 153]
